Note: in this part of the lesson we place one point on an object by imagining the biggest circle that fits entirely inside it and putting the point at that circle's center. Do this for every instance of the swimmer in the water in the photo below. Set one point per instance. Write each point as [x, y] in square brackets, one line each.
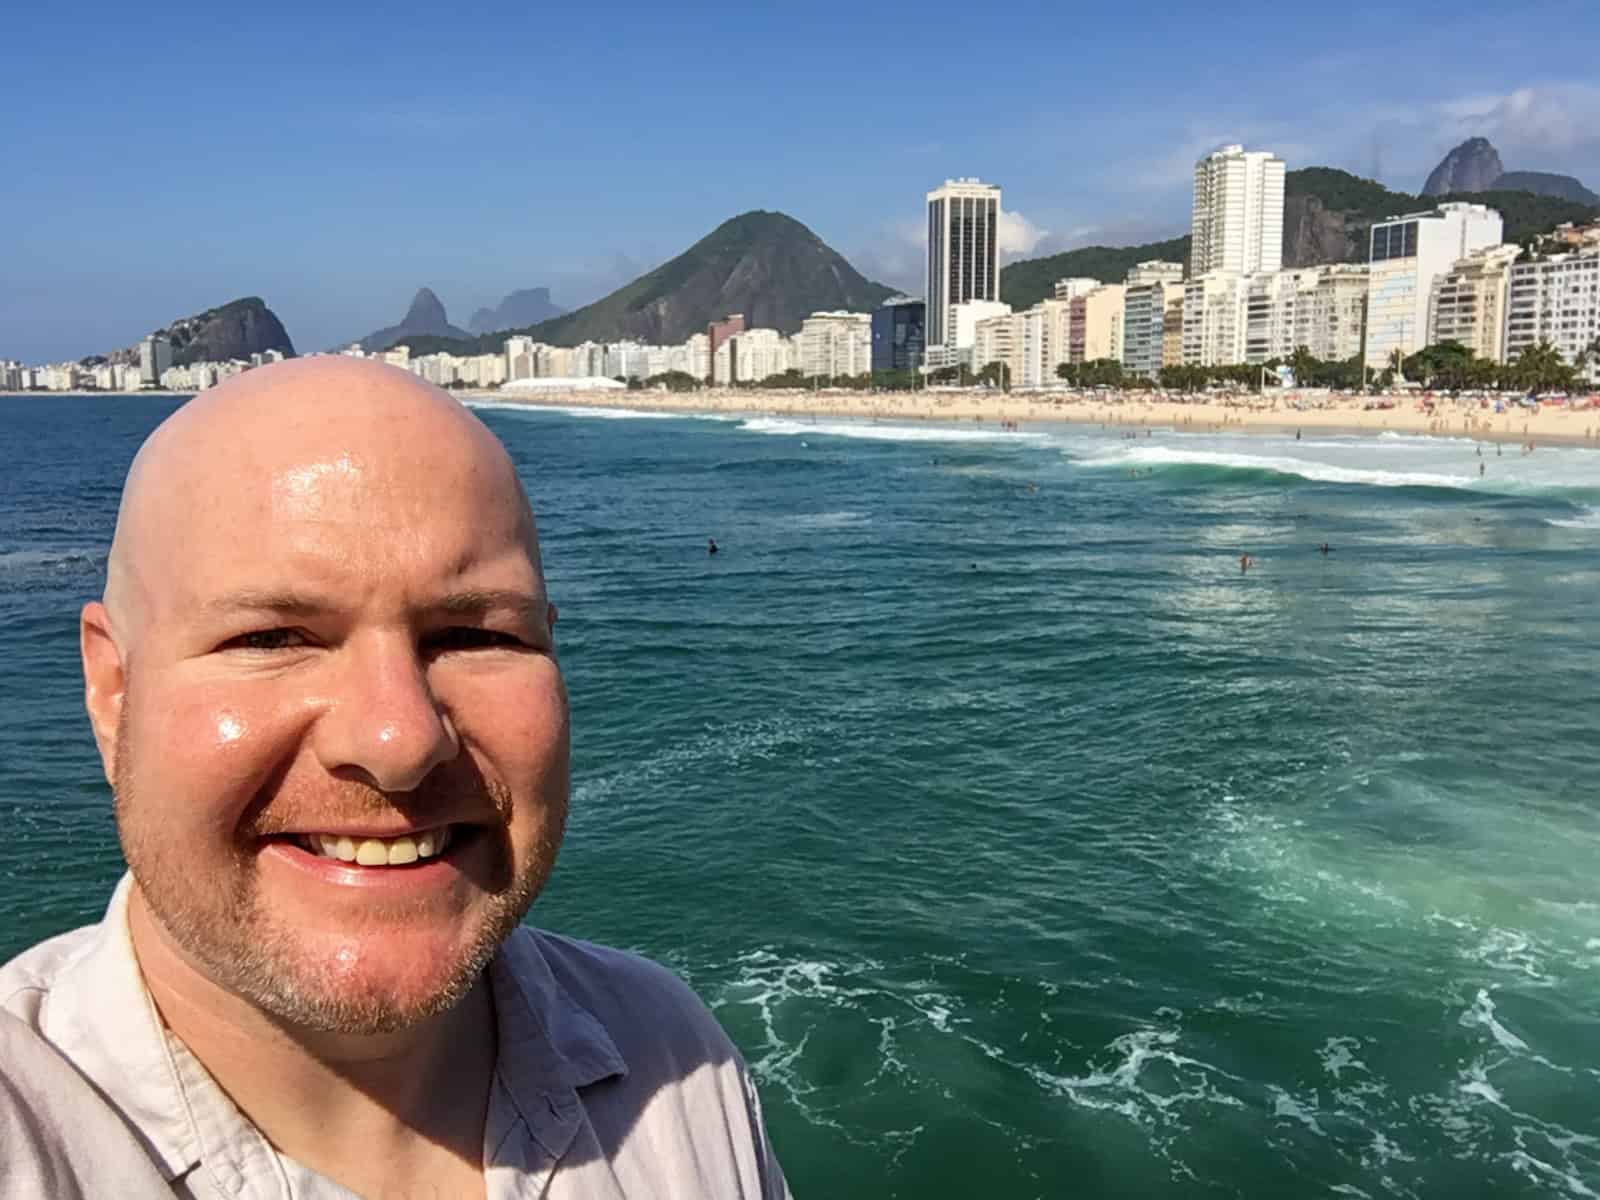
[1324, 548]
[1244, 563]
[711, 545]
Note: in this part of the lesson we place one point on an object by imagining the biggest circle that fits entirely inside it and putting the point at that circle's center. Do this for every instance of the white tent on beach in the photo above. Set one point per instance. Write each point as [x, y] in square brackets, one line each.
[583, 383]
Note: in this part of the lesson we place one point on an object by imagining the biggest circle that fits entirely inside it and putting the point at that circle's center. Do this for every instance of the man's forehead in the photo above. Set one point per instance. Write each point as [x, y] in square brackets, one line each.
[312, 565]
[338, 521]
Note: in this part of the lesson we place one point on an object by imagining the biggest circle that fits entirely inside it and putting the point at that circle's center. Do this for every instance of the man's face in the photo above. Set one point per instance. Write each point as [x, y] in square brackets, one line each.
[344, 656]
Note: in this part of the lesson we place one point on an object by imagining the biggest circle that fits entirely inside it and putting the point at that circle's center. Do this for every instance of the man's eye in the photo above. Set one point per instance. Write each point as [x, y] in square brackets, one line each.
[264, 639]
[467, 637]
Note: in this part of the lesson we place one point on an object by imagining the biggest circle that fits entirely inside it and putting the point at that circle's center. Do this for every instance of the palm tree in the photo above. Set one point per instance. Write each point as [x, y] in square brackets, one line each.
[1540, 368]
[1304, 365]
[1397, 362]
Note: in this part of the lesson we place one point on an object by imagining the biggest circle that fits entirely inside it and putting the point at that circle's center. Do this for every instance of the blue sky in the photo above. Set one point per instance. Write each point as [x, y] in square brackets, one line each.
[333, 158]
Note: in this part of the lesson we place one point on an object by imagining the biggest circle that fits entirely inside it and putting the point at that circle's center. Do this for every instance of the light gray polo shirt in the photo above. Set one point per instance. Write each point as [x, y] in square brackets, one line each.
[612, 1081]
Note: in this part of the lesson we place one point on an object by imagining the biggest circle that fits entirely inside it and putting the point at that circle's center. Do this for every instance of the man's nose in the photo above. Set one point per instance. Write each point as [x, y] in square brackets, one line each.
[385, 722]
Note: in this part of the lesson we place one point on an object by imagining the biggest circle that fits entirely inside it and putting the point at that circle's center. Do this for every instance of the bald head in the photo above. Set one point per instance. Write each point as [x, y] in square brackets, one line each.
[346, 444]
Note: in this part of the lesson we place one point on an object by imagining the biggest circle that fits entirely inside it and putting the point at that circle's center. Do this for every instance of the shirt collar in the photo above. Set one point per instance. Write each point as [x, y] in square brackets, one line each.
[101, 1015]
[549, 1044]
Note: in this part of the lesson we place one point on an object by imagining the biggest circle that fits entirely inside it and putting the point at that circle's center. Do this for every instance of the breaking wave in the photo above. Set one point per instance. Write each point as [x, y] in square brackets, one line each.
[866, 431]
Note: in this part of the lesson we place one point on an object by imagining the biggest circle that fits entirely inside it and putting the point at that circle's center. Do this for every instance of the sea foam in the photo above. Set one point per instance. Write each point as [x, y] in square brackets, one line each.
[931, 432]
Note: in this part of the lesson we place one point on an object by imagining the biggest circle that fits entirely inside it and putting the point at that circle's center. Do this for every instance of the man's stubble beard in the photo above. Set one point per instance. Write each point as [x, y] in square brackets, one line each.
[223, 927]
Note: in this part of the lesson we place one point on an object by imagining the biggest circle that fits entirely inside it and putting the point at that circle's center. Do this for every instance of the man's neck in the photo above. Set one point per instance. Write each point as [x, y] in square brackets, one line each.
[369, 1111]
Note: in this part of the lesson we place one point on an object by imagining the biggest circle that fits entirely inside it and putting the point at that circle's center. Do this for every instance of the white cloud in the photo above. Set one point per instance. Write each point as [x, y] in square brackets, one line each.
[1549, 119]
[1018, 235]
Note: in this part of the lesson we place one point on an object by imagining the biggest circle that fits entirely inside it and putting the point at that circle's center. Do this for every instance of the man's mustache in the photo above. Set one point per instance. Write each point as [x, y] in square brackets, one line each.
[445, 796]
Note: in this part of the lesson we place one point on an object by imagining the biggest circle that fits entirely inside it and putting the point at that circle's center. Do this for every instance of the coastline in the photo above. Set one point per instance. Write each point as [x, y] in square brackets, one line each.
[139, 395]
[1330, 415]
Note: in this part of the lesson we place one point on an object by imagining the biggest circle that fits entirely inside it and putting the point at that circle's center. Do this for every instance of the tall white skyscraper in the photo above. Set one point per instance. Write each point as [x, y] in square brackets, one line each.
[1238, 213]
[963, 251]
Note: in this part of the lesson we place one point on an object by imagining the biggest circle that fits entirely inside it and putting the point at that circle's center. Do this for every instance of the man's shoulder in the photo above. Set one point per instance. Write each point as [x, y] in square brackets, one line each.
[27, 979]
[59, 1137]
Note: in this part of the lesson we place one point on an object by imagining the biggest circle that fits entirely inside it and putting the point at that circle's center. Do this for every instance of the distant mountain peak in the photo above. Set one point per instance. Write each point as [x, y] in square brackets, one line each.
[426, 318]
[1473, 166]
[426, 312]
[521, 308]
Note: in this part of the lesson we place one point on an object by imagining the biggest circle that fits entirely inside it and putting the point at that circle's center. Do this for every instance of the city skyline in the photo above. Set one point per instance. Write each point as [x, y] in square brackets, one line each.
[334, 163]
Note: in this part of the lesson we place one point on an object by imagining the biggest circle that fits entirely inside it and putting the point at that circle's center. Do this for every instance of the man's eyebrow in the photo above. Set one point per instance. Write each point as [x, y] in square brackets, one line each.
[481, 600]
[252, 600]
[471, 602]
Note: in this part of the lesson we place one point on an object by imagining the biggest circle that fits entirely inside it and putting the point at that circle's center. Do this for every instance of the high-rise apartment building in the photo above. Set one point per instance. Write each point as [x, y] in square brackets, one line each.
[999, 339]
[963, 250]
[1071, 289]
[1154, 271]
[155, 356]
[520, 359]
[1238, 213]
[898, 331]
[1556, 299]
[1407, 255]
[1468, 304]
[1095, 329]
[719, 332]
[1046, 335]
[836, 344]
[1152, 290]
[1214, 307]
[1320, 308]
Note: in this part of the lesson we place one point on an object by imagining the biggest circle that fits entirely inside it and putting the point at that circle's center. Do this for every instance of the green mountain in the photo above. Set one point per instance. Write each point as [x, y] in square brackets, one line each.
[1542, 183]
[1326, 216]
[765, 265]
[1024, 284]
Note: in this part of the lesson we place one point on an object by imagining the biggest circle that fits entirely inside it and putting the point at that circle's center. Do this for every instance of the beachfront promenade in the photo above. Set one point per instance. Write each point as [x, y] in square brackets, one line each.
[1576, 422]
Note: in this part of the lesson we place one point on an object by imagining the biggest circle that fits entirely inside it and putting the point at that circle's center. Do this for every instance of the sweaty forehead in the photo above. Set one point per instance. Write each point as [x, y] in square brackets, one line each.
[366, 461]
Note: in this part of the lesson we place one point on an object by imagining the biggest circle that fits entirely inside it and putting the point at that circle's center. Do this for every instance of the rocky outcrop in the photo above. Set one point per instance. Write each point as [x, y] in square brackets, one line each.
[1473, 166]
[235, 330]
[425, 318]
[527, 306]
[1313, 234]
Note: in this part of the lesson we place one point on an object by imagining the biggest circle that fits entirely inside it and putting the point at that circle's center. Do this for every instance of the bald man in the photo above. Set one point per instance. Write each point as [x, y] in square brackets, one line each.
[324, 687]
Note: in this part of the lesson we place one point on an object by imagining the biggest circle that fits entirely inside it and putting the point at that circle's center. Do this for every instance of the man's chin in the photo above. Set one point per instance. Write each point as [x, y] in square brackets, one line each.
[369, 982]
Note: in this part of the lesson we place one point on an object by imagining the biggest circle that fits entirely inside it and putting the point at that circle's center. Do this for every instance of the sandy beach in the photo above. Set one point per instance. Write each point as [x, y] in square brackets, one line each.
[1576, 422]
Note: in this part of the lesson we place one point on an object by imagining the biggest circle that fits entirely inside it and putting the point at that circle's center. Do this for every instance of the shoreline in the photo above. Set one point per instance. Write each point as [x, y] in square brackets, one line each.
[36, 394]
[1341, 415]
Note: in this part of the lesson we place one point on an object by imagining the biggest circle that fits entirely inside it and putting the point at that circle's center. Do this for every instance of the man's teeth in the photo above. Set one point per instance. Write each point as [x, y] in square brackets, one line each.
[378, 852]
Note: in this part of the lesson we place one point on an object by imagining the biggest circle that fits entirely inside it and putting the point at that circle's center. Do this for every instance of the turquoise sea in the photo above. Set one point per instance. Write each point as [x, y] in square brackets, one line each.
[1026, 846]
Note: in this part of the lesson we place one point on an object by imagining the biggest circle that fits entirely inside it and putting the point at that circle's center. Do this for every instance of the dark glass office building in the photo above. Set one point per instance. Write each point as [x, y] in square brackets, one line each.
[897, 335]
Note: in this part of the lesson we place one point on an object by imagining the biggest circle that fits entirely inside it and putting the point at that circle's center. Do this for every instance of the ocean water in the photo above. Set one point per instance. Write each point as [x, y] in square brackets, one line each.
[1026, 846]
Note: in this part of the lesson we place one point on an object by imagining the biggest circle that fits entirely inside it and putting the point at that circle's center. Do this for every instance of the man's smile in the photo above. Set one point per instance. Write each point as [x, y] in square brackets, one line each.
[397, 851]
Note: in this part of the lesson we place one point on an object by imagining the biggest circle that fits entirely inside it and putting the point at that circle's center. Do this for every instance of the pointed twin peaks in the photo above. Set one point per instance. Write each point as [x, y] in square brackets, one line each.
[425, 316]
